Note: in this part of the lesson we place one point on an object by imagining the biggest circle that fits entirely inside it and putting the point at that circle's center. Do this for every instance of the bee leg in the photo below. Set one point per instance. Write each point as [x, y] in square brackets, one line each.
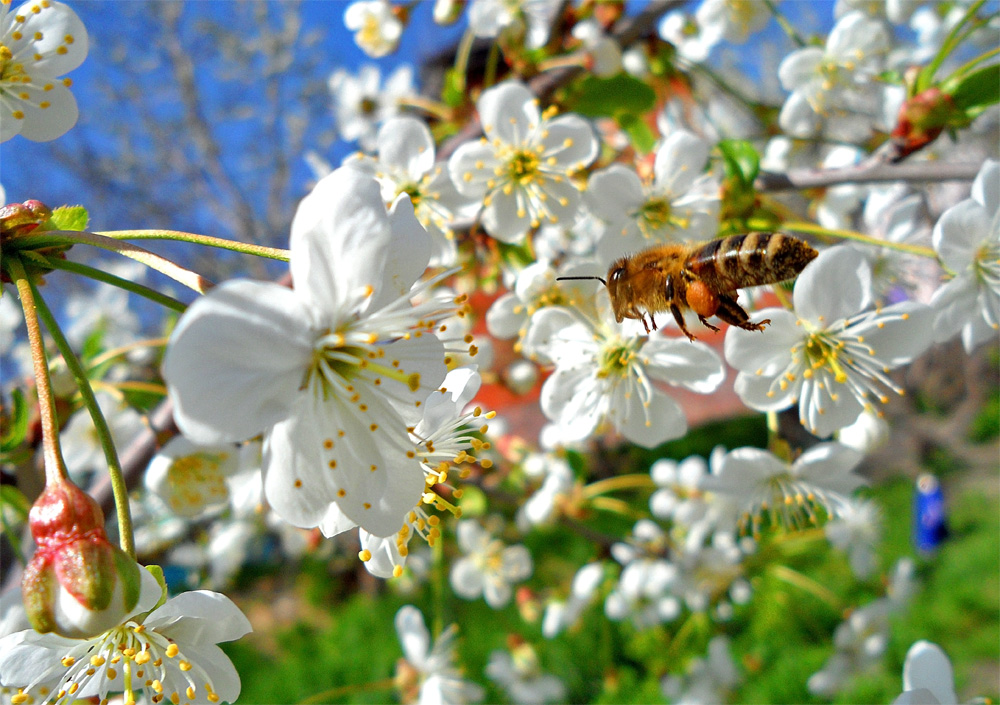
[734, 314]
[645, 325]
[675, 309]
[652, 322]
[705, 323]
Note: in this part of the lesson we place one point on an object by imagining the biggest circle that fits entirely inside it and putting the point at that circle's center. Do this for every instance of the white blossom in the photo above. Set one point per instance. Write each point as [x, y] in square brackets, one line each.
[681, 202]
[404, 163]
[605, 377]
[707, 680]
[832, 355]
[429, 668]
[518, 673]
[521, 169]
[927, 677]
[376, 27]
[967, 239]
[488, 567]
[362, 102]
[171, 652]
[487, 18]
[333, 372]
[39, 41]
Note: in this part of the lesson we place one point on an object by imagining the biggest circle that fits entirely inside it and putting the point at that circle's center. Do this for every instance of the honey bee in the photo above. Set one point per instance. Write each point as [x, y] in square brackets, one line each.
[702, 276]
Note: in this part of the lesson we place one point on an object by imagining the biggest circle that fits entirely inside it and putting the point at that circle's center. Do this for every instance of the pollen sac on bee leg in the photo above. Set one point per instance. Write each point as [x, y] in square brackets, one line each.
[701, 299]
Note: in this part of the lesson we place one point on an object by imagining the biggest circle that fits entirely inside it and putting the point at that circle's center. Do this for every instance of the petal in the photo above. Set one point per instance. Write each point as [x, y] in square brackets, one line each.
[466, 579]
[219, 669]
[613, 193]
[750, 351]
[800, 68]
[55, 22]
[405, 143]
[821, 413]
[959, 233]
[508, 216]
[898, 333]
[407, 257]
[42, 124]
[509, 112]
[840, 269]
[236, 359]
[928, 667]
[680, 362]
[986, 187]
[506, 316]
[570, 140]
[649, 426]
[471, 168]
[830, 465]
[679, 162]
[200, 616]
[955, 303]
[760, 392]
[572, 399]
[340, 243]
[413, 634]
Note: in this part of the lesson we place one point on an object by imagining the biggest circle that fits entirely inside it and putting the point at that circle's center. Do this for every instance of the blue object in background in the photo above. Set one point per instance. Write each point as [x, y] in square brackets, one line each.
[930, 525]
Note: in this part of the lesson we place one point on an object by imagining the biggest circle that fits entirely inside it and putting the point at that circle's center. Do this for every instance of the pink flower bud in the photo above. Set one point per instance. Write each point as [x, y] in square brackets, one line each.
[20, 218]
[77, 584]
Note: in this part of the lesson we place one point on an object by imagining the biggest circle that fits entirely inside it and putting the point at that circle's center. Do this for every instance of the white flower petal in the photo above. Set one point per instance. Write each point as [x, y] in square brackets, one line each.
[55, 119]
[413, 635]
[570, 140]
[199, 616]
[840, 269]
[749, 351]
[649, 426]
[406, 143]
[469, 177]
[928, 667]
[986, 187]
[679, 162]
[509, 112]
[614, 192]
[341, 241]
[959, 233]
[235, 360]
[683, 363]
[760, 392]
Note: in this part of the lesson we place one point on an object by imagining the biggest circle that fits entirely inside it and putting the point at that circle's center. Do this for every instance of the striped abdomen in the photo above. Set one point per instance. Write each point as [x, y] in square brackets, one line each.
[749, 260]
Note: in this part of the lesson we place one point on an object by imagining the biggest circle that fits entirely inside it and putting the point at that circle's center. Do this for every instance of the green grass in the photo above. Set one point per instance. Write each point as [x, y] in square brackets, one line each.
[345, 636]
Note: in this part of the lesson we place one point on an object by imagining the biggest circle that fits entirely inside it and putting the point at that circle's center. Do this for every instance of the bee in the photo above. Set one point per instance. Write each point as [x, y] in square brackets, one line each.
[702, 276]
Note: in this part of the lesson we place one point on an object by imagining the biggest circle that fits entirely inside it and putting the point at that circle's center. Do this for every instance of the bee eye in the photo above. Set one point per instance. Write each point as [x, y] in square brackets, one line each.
[617, 275]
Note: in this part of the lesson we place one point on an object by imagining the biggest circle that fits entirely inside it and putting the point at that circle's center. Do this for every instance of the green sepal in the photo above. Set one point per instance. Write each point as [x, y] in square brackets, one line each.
[977, 90]
[127, 571]
[87, 571]
[17, 428]
[38, 590]
[68, 218]
[157, 572]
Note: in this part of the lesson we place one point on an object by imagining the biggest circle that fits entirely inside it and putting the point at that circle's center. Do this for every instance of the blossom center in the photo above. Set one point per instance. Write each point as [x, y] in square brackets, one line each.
[522, 168]
[616, 359]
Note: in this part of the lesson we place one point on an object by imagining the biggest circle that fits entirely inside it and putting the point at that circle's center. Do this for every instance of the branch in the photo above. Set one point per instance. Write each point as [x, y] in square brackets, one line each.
[771, 182]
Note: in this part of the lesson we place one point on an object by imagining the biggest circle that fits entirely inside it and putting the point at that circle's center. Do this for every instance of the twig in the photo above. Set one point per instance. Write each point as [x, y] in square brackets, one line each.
[771, 182]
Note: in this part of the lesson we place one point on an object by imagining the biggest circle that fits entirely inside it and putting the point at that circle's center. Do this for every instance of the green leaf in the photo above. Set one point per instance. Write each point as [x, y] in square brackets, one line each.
[638, 132]
[610, 97]
[740, 160]
[13, 503]
[978, 89]
[17, 431]
[69, 218]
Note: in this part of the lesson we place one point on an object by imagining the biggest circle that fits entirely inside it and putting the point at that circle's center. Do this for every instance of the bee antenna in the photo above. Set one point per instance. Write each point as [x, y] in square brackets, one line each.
[562, 279]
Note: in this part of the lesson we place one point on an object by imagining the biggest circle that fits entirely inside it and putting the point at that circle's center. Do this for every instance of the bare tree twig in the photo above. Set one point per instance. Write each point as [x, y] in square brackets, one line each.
[771, 182]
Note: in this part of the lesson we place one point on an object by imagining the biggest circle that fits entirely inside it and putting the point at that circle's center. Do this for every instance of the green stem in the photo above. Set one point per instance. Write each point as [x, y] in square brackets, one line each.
[206, 240]
[101, 276]
[462, 58]
[785, 24]
[492, 61]
[927, 74]
[343, 690]
[33, 307]
[118, 487]
[109, 355]
[619, 482]
[969, 65]
[812, 229]
[53, 238]
[804, 582]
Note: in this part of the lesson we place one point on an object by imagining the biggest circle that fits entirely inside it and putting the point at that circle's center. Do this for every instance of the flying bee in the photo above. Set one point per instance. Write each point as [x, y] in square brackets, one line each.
[702, 276]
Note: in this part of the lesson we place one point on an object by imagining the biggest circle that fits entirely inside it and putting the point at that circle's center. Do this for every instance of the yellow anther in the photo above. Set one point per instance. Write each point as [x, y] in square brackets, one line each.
[172, 650]
[68, 661]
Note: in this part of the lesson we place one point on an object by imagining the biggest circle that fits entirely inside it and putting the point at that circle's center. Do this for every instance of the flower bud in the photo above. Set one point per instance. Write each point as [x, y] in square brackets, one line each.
[77, 584]
[448, 11]
[20, 218]
[921, 119]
